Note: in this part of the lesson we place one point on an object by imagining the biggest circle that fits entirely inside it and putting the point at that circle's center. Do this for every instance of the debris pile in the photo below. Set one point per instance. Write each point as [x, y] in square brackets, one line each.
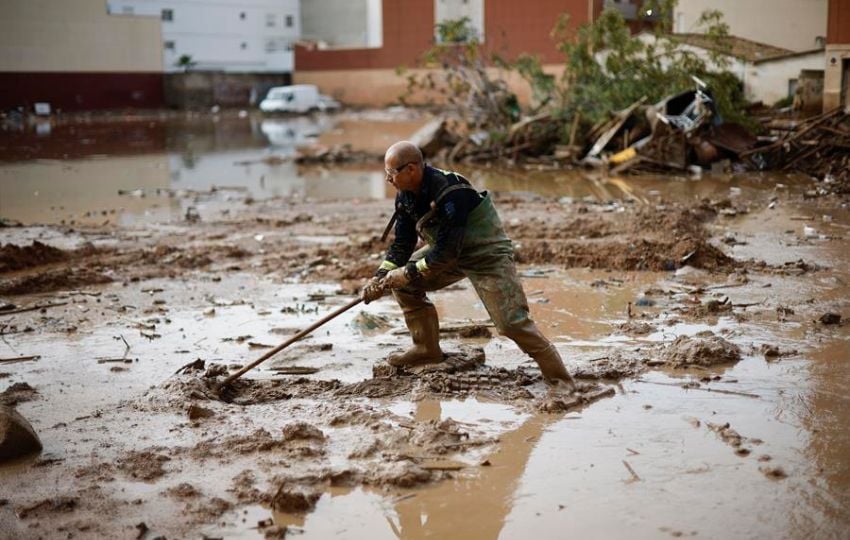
[818, 146]
[680, 133]
[340, 153]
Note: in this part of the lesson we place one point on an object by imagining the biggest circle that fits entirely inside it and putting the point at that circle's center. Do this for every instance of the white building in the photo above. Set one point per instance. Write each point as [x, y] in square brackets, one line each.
[797, 25]
[767, 73]
[235, 36]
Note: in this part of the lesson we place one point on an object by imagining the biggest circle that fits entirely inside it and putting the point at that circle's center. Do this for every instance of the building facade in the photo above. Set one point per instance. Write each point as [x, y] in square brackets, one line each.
[233, 36]
[369, 75]
[798, 25]
[72, 55]
[342, 24]
[836, 83]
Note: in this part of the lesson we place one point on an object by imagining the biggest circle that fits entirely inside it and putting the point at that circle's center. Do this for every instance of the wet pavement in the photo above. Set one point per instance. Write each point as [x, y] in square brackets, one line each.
[651, 460]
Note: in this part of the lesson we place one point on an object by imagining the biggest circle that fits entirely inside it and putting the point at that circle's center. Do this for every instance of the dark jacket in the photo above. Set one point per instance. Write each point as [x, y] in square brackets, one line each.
[451, 216]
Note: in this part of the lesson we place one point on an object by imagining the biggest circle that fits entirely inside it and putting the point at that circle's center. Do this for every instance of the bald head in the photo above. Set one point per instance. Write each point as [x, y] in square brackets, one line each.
[404, 166]
[402, 152]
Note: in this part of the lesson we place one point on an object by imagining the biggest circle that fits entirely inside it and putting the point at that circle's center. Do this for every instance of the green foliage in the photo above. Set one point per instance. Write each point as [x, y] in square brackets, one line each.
[608, 68]
[185, 62]
[463, 82]
[457, 31]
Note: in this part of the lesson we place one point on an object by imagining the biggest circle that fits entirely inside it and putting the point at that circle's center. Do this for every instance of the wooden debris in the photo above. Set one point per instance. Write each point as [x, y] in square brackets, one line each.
[16, 359]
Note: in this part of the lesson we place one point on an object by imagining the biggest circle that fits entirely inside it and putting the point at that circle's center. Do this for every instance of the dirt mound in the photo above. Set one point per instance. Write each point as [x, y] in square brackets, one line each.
[55, 280]
[144, 465]
[622, 254]
[14, 257]
[257, 442]
[646, 238]
[302, 431]
[17, 393]
[615, 366]
[700, 351]
[293, 499]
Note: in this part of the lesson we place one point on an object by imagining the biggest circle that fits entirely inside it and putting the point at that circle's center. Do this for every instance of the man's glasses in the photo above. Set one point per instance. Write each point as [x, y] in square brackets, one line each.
[397, 170]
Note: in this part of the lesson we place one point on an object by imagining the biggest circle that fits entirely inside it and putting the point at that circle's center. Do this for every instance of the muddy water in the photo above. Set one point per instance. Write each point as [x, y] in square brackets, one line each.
[127, 172]
[124, 173]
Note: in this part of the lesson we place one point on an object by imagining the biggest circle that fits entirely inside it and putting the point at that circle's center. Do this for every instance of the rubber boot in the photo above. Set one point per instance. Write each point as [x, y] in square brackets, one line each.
[425, 331]
[553, 369]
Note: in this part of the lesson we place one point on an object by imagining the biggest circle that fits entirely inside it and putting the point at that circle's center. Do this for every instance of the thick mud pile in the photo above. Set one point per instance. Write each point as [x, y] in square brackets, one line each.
[634, 239]
[700, 351]
[14, 257]
[462, 374]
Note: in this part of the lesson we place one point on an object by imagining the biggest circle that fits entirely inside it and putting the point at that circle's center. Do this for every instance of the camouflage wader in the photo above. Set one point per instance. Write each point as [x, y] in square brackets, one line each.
[487, 259]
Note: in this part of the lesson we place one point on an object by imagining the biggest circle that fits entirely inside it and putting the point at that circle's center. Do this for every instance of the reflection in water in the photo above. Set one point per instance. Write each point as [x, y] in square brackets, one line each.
[79, 168]
[826, 415]
[75, 173]
[473, 506]
[579, 184]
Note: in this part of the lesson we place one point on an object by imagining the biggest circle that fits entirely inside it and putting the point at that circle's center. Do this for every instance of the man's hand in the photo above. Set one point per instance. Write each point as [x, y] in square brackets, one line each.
[373, 290]
[396, 279]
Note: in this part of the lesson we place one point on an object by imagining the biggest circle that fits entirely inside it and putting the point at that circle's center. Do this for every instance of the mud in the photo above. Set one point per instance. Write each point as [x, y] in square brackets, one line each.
[17, 393]
[701, 351]
[14, 257]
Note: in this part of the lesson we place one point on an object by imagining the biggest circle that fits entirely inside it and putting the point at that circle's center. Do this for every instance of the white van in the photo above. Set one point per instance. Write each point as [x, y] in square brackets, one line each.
[298, 98]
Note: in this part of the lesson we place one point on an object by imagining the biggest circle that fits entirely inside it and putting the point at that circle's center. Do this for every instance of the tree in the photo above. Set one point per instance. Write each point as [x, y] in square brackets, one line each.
[185, 62]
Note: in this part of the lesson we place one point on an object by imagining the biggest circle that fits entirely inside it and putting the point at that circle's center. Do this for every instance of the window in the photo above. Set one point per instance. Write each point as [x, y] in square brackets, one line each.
[271, 20]
[168, 15]
[169, 46]
[289, 21]
[127, 10]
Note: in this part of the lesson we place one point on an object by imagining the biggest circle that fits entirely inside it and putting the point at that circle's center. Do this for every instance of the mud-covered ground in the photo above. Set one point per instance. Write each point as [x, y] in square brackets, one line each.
[695, 325]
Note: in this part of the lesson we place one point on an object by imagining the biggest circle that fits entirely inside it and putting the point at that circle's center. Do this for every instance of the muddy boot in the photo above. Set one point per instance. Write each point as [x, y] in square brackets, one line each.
[425, 331]
[553, 369]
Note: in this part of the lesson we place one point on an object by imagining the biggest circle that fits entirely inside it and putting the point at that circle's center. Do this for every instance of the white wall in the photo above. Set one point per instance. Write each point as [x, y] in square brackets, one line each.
[792, 24]
[769, 80]
[343, 24]
[456, 9]
[225, 35]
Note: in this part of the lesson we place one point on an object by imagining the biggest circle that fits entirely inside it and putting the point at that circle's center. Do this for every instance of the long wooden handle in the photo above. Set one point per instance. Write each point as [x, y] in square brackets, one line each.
[291, 340]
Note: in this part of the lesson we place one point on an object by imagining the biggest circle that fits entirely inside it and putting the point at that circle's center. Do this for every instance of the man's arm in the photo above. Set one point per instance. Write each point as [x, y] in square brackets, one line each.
[454, 212]
[403, 244]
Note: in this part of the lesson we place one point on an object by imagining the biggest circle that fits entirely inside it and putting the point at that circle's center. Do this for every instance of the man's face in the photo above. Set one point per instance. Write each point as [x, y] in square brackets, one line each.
[403, 176]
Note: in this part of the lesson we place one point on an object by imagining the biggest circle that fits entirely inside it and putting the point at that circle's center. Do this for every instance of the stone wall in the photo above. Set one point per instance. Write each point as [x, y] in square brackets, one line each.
[204, 89]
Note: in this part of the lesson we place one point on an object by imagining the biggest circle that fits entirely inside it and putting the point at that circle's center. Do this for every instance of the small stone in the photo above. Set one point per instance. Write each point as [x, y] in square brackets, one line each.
[17, 437]
[830, 318]
[196, 412]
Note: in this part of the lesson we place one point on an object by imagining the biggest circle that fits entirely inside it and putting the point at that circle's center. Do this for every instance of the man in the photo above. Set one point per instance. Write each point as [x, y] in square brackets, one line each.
[465, 239]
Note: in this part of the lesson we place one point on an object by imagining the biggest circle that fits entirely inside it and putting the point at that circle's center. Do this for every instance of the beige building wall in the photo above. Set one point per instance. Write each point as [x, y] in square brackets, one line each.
[76, 36]
[380, 87]
[836, 77]
[793, 24]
